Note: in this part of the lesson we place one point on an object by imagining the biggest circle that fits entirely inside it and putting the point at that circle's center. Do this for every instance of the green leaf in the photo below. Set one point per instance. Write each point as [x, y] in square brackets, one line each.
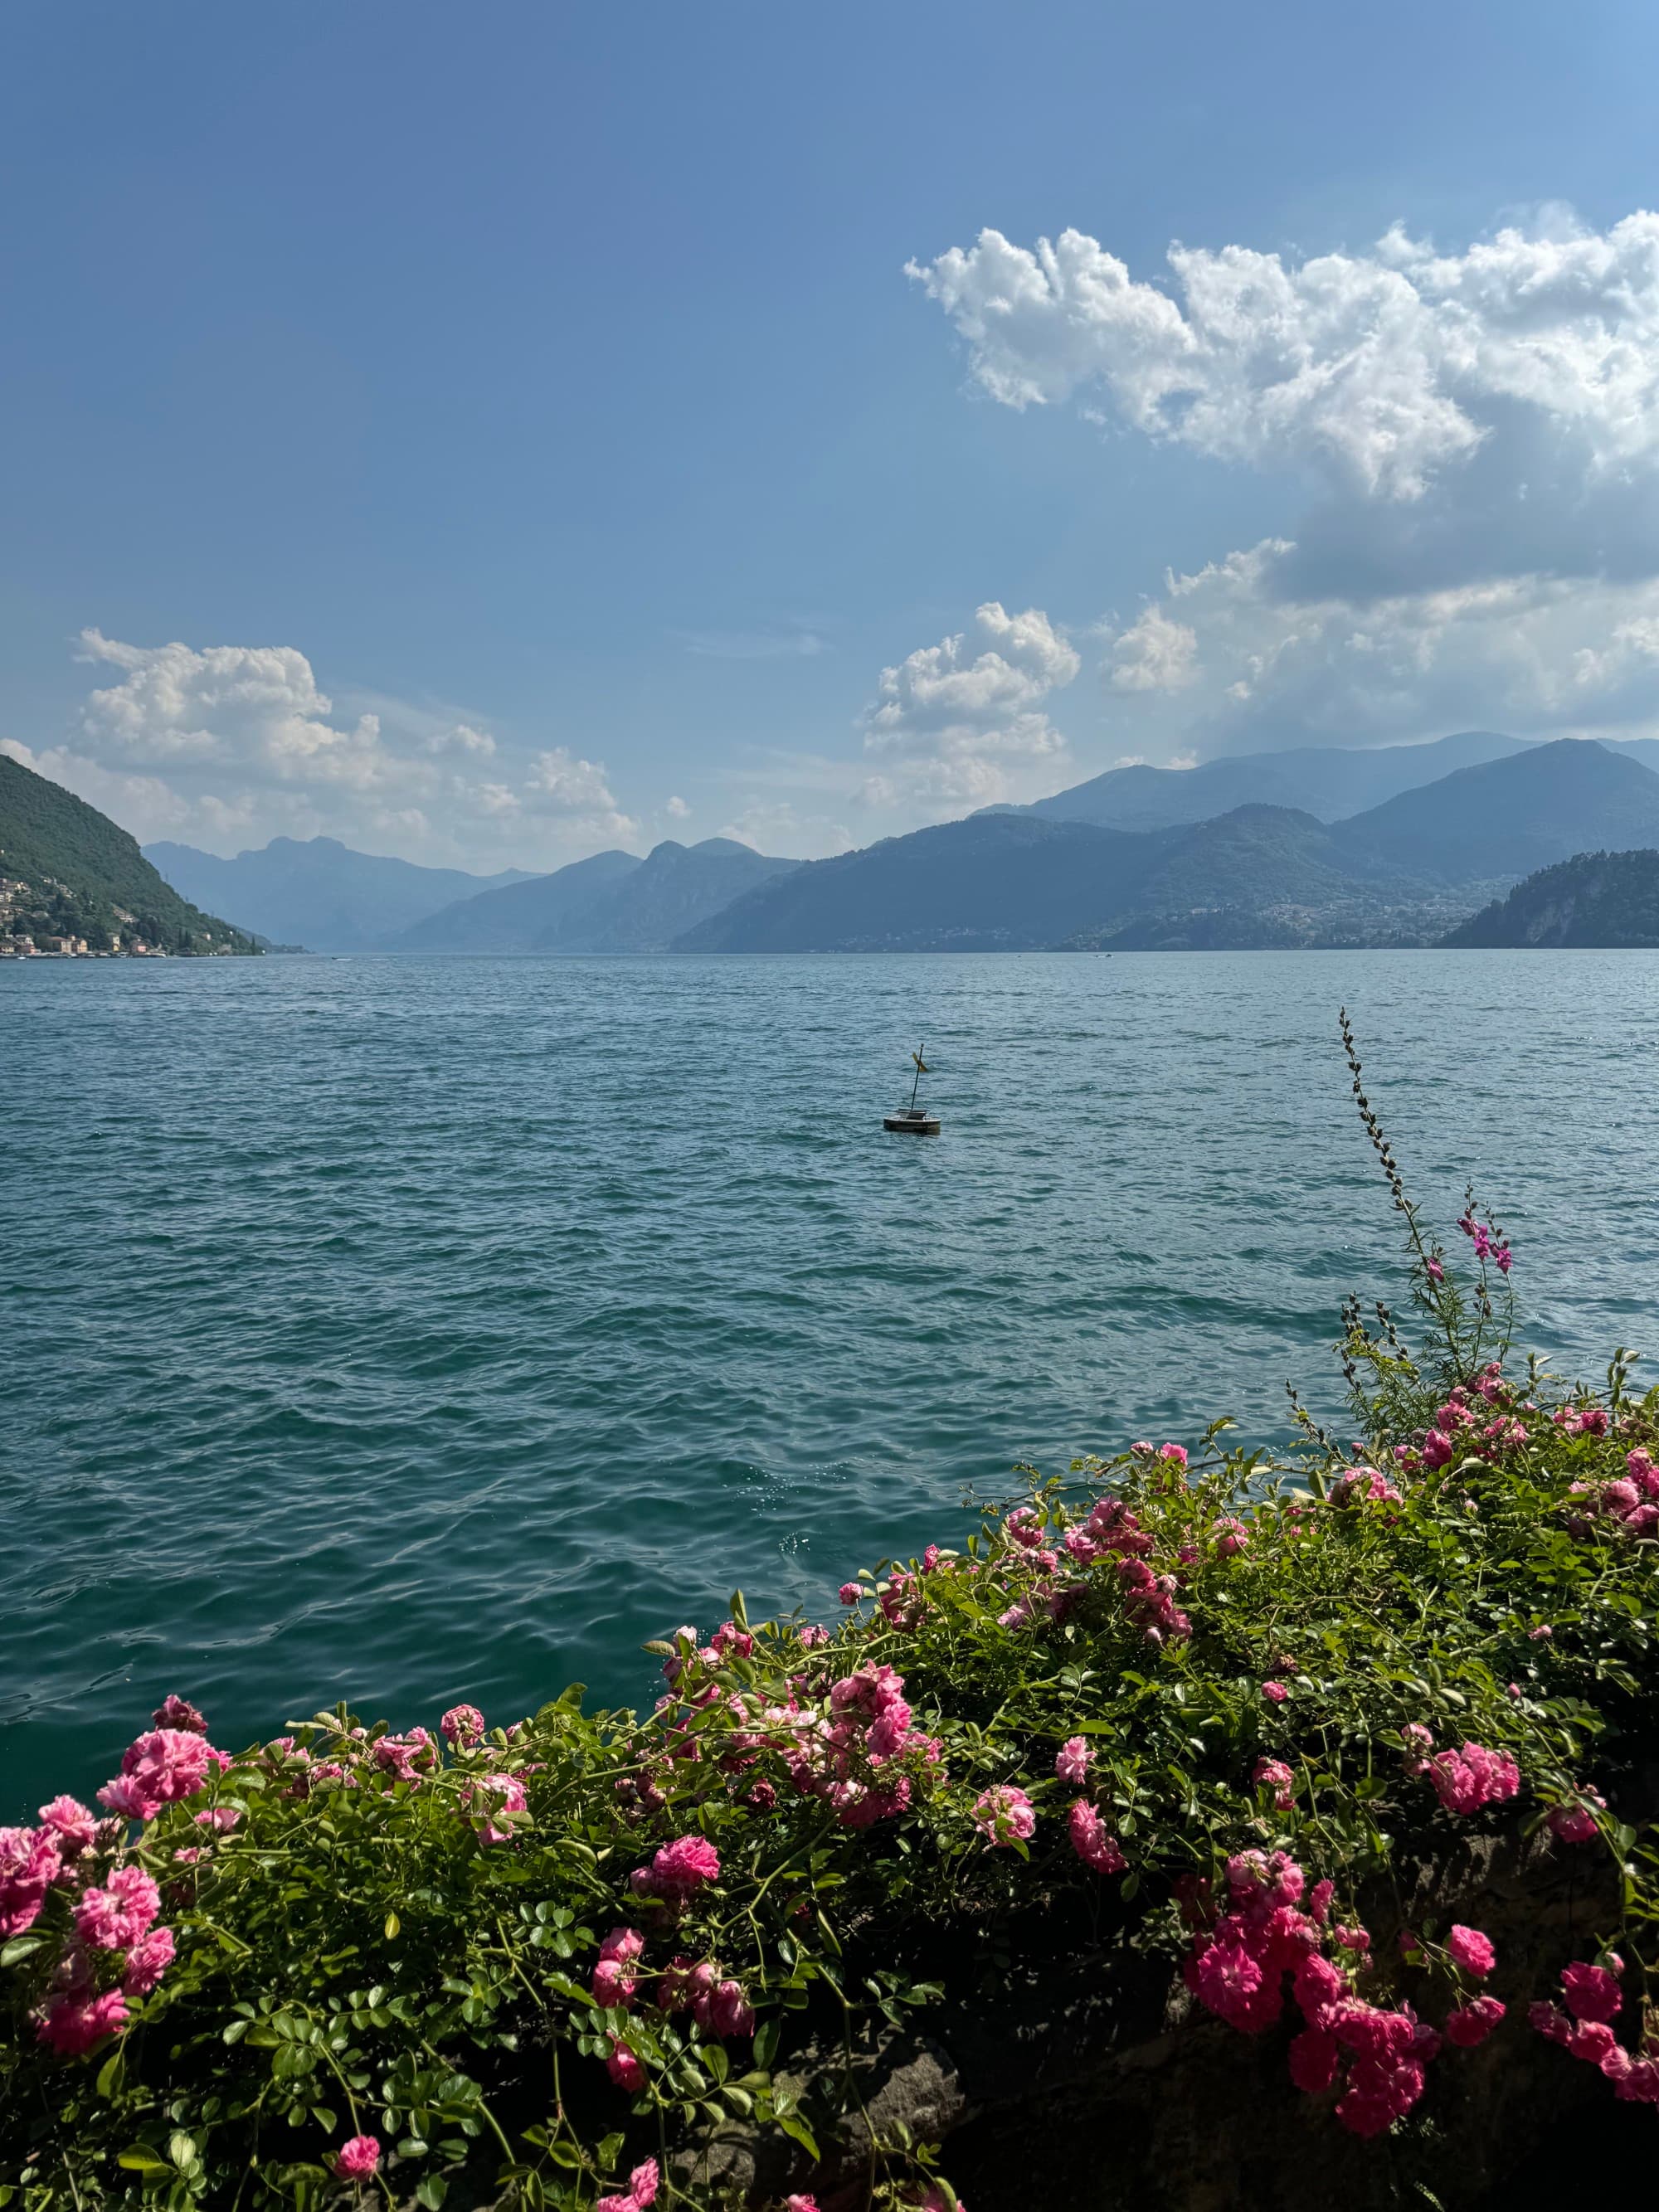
[139, 2158]
[392, 1925]
[19, 1948]
[432, 2192]
[767, 2037]
[110, 2072]
[797, 2130]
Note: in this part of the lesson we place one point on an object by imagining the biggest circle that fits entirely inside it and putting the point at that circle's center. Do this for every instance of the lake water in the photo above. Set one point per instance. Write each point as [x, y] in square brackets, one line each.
[406, 1331]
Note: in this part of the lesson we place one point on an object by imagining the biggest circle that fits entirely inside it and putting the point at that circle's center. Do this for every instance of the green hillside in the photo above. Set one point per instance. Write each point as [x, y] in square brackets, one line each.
[1601, 899]
[69, 872]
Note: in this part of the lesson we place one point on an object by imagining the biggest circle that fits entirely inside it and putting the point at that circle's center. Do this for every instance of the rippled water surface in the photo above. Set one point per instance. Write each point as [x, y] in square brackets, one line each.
[408, 1330]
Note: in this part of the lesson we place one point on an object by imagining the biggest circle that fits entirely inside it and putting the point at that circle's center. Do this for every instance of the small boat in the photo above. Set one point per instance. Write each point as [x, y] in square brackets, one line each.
[914, 1121]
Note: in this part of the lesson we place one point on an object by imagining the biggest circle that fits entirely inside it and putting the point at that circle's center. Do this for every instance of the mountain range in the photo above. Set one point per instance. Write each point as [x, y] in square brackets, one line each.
[1401, 870]
[317, 892]
[67, 871]
[1324, 781]
[1272, 848]
[1329, 782]
[611, 902]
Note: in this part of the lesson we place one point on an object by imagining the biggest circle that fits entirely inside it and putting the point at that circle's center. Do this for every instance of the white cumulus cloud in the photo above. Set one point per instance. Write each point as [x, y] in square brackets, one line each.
[1479, 428]
[1155, 654]
[1535, 655]
[948, 720]
[233, 745]
[1389, 366]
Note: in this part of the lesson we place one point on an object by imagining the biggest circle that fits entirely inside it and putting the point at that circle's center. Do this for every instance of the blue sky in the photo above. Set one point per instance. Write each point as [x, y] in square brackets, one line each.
[490, 434]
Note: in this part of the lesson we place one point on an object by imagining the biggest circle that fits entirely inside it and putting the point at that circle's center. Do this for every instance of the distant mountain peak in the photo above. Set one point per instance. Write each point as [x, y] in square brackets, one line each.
[1329, 782]
[317, 892]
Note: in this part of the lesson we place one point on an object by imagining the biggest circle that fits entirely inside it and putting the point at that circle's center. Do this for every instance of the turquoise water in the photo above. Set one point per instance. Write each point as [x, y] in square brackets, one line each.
[405, 1331]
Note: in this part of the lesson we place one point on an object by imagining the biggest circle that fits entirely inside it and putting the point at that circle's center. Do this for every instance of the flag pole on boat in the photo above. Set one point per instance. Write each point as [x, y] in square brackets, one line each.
[914, 1121]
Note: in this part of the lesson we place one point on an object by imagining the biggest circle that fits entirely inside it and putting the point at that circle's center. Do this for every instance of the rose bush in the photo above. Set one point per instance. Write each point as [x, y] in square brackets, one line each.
[1193, 1692]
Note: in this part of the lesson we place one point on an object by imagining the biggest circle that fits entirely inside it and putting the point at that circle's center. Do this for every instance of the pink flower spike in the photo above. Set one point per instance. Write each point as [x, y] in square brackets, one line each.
[461, 1727]
[1176, 1454]
[850, 1592]
[642, 2183]
[1275, 1692]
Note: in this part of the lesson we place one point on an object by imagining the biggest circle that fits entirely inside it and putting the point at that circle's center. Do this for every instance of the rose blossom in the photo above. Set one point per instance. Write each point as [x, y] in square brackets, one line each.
[623, 2068]
[358, 2158]
[30, 1862]
[73, 1825]
[1091, 1842]
[1273, 1774]
[1592, 1993]
[113, 1918]
[1002, 1814]
[147, 1961]
[642, 2192]
[1472, 1950]
[1072, 1760]
[71, 2025]
[1471, 2024]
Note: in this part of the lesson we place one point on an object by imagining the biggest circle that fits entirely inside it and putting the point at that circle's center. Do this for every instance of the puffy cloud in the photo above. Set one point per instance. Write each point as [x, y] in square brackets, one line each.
[1482, 429]
[461, 737]
[1155, 654]
[1539, 655]
[236, 744]
[948, 721]
[675, 807]
[1388, 369]
[560, 784]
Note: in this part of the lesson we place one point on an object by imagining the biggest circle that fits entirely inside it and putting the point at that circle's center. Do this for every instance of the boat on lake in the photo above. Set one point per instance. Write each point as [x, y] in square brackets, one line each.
[914, 1121]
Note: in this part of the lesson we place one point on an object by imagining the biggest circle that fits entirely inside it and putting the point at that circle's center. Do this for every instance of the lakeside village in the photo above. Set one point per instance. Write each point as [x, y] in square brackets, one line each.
[40, 922]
